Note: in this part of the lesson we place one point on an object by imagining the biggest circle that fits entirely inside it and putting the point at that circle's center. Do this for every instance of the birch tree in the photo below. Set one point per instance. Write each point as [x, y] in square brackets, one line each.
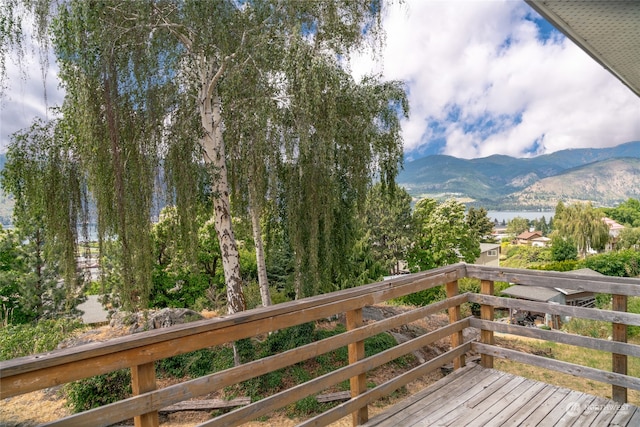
[159, 86]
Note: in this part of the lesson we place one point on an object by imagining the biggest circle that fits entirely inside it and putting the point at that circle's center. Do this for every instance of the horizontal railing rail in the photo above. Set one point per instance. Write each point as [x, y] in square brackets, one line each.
[553, 279]
[619, 288]
[139, 352]
[40, 371]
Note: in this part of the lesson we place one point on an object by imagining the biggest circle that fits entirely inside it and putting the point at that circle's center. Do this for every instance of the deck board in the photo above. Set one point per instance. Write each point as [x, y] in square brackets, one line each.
[474, 396]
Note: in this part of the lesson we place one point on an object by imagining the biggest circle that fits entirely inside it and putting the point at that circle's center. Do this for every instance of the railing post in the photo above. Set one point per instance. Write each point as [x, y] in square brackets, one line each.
[356, 353]
[619, 361]
[454, 315]
[486, 313]
[143, 379]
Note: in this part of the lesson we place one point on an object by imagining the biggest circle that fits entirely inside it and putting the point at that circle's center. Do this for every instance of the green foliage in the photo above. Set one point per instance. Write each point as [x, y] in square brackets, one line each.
[182, 276]
[442, 235]
[517, 225]
[26, 339]
[478, 220]
[619, 264]
[288, 339]
[387, 219]
[424, 297]
[626, 213]
[197, 363]
[583, 224]
[563, 249]
[307, 406]
[629, 238]
[50, 207]
[97, 391]
[37, 163]
[378, 343]
[567, 265]
[15, 275]
[542, 225]
[588, 327]
[524, 256]
[633, 306]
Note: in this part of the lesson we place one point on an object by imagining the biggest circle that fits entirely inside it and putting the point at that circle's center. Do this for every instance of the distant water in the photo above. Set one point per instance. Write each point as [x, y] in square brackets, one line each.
[509, 215]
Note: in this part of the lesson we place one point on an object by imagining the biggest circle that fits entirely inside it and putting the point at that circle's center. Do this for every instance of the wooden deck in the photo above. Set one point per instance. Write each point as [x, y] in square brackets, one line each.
[475, 396]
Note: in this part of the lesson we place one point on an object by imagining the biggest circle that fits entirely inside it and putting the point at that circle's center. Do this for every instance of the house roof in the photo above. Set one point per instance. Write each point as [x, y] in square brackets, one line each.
[485, 247]
[528, 235]
[532, 293]
[607, 30]
[541, 239]
[613, 225]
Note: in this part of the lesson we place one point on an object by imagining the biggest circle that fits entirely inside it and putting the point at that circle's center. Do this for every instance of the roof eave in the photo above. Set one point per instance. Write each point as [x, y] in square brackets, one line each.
[540, 7]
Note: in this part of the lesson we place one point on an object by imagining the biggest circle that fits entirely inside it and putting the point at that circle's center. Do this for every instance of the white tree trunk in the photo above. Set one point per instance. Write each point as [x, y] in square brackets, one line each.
[263, 281]
[214, 156]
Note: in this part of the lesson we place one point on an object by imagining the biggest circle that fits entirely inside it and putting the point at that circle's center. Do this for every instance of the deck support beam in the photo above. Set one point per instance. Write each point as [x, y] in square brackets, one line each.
[143, 379]
[619, 361]
[356, 353]
[486, 313]
[455, 315]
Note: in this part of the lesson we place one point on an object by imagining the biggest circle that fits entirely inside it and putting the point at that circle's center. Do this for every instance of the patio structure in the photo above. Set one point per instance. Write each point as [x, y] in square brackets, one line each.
[139, 352]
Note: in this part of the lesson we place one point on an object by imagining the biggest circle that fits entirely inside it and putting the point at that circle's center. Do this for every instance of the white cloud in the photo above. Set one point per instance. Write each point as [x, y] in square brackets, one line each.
[480, 81]
[24, 97]
[481, 75]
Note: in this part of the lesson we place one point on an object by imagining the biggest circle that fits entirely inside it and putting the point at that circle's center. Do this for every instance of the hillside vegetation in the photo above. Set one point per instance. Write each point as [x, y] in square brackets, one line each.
[605, 176]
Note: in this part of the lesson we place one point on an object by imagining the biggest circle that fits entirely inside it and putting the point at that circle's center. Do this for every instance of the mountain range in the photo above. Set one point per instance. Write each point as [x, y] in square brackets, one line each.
[603, 176]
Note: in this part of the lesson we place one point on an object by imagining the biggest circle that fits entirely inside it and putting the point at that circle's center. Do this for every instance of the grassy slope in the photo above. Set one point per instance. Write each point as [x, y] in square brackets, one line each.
[577, 355]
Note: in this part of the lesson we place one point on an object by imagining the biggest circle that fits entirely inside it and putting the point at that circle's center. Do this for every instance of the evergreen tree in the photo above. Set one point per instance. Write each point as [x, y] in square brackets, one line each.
[478, 220]
[43, 176]
[387, 219]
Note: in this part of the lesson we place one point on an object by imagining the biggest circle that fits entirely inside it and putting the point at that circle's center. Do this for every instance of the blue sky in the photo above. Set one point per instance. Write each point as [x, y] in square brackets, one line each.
[483, 77]
[492, 77]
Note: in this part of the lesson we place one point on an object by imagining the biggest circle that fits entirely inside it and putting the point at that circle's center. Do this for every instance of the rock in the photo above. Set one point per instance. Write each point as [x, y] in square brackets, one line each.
[148, 320]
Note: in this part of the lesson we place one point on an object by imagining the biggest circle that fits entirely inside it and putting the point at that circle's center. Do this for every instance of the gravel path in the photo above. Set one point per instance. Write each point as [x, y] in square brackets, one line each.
[93, 312]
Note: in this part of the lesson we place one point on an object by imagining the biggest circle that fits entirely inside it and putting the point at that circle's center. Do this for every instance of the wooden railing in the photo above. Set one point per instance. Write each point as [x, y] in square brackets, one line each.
[139, 352]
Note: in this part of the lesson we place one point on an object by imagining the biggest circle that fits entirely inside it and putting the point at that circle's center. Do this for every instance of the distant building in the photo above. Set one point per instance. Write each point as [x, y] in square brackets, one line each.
[527, 237]
[540, 241]
[489, 254]
[614, 232]
[551, 295]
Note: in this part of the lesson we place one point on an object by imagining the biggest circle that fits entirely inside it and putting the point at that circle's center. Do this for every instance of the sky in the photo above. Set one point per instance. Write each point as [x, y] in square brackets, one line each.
[483, 77]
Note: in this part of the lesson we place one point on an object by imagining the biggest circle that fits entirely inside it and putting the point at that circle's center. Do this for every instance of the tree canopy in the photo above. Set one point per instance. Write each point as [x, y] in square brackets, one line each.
[442, 235]
[517, 226]
[583, 224]
[626, 213]
[387, 219]
[233, 102]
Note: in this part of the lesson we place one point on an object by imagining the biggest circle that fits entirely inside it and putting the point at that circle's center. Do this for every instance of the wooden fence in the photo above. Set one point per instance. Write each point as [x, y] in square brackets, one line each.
[139, 352]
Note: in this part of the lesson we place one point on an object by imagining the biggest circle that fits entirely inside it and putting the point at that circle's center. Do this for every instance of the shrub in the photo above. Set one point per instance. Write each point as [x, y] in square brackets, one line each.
[98, 391]
[566, 265]
[196, 363]
[621, 264]
[29, 338]
[422, 298]
[289, 338]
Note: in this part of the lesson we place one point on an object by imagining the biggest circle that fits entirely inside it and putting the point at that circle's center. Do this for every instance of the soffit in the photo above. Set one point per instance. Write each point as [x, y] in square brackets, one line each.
[608, 30]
